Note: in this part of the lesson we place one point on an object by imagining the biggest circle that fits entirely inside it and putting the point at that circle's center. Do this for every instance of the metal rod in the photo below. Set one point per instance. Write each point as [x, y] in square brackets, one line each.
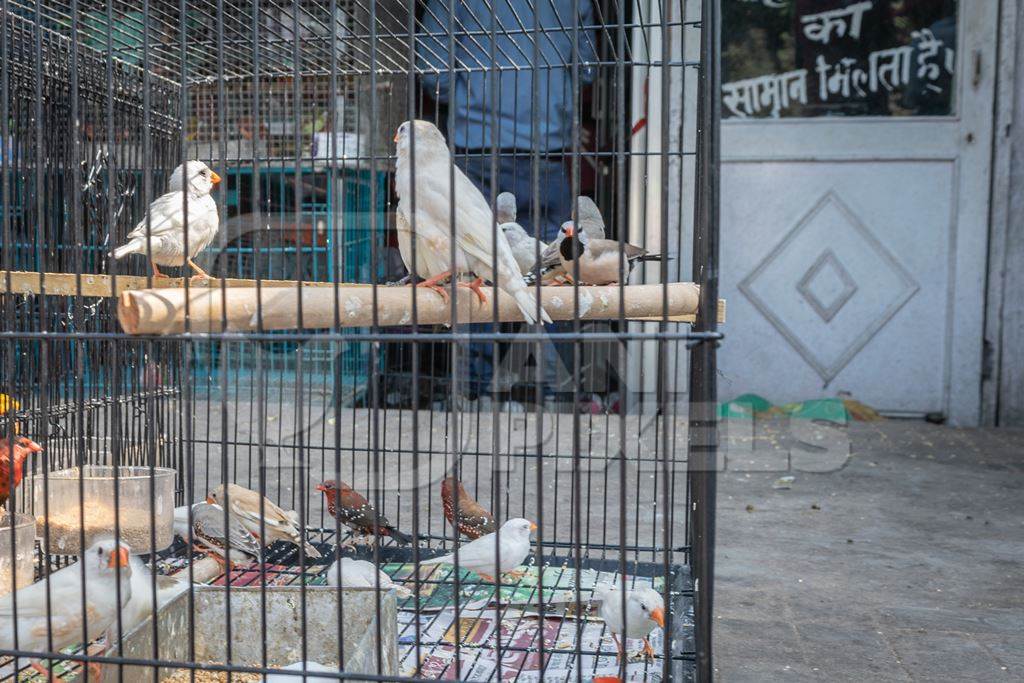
[703, 437]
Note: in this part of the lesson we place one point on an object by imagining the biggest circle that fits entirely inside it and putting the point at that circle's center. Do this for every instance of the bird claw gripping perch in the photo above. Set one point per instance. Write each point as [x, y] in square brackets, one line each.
[474, 286]
[433, 284]
[201, 275]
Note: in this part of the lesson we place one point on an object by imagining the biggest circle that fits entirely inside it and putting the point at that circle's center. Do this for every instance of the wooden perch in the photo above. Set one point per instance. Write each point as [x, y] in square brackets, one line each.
[107, 286]
[204, 570]
[162, 311]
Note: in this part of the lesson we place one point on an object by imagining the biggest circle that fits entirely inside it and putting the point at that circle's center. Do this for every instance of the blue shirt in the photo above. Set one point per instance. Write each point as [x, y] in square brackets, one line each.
[467, 88]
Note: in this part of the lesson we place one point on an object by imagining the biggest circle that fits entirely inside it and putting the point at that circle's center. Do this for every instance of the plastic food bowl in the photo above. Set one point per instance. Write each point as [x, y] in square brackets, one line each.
[24, 532]
[138, 525]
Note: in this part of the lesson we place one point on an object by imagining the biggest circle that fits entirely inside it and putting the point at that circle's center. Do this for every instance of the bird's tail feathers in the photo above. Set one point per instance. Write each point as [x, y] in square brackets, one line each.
[527, 303]
[444, 559]
[399, 536]
[653, 257]
[311, 552]
[134, 246]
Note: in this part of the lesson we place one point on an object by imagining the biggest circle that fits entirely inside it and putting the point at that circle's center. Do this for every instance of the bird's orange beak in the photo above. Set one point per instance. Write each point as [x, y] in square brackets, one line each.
[210, 500]
[396, 136]
[119, 558]
[568, 230]
[658, 615]
[533, 526]
[214, 178]
[321, 488]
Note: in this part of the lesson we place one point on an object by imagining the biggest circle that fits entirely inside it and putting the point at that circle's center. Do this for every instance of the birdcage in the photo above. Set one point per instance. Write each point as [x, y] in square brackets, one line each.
[379, 471]
[77, 169]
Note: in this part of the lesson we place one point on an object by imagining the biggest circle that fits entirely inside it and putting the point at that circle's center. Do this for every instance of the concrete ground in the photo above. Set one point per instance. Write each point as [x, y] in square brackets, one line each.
[896, 553]
[906, 563]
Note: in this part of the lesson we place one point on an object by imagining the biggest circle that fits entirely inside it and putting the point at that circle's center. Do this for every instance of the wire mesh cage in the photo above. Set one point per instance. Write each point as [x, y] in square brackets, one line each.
[358, 339]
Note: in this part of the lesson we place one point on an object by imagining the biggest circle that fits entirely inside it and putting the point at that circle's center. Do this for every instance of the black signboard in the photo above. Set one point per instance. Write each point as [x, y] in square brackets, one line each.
[804, 58]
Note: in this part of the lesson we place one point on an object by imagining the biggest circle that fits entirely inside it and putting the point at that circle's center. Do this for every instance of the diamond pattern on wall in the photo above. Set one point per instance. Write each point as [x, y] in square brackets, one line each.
[827, 281]
[829, 286]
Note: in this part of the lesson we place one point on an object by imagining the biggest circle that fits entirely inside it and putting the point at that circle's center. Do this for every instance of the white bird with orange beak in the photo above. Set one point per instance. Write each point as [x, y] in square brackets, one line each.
[165, 245]
[105, 562]
[480, 555]
[645, 609]
[478, 247]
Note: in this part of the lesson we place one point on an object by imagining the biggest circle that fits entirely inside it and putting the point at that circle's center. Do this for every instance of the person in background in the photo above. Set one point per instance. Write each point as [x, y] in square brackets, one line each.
[515, 144]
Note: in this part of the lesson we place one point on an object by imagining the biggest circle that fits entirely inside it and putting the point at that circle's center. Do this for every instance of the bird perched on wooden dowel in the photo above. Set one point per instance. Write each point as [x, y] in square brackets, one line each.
[597, 259]
[209, 535]
[166, 243]
[347, 572]
[12, 456]
[474, 519]
[278, 525]
[479, 555]
[62, 615]
[522, 244]
[588, 220]
[645, 609]
[477, 246]
[353, 510]
[525, 246]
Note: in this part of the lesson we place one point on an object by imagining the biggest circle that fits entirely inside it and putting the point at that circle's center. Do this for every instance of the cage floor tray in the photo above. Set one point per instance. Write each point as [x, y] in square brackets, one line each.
[492, 640]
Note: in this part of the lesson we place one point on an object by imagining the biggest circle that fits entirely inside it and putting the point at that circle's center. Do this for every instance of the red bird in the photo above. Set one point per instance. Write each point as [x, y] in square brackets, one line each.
[352, 509]
[474, 519]
[22, 447]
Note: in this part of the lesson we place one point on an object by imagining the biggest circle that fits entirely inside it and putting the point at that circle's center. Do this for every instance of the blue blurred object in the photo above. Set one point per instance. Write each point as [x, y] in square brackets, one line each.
[471, 96]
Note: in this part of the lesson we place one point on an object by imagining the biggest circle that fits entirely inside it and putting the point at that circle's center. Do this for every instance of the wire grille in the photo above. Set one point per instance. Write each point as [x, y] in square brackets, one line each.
[600, 431]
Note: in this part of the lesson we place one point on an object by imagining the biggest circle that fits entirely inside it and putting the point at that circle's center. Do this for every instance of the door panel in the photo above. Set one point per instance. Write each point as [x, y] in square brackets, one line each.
[831, 284]
[853, 246]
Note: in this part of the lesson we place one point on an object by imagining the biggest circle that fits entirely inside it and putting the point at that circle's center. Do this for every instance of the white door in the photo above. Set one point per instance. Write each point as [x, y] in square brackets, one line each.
[856, 147]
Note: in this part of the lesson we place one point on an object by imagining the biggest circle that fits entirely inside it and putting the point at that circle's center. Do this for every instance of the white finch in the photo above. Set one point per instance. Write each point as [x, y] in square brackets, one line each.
[350, 573]
[597, 260]
[208, 532]
[589, 220]
[166, 243]
[476, 247]
[645, 609]
[525, 246]
[140, 606]
[101, 562]
[313, 667]
[479, 555]
[278, 525]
